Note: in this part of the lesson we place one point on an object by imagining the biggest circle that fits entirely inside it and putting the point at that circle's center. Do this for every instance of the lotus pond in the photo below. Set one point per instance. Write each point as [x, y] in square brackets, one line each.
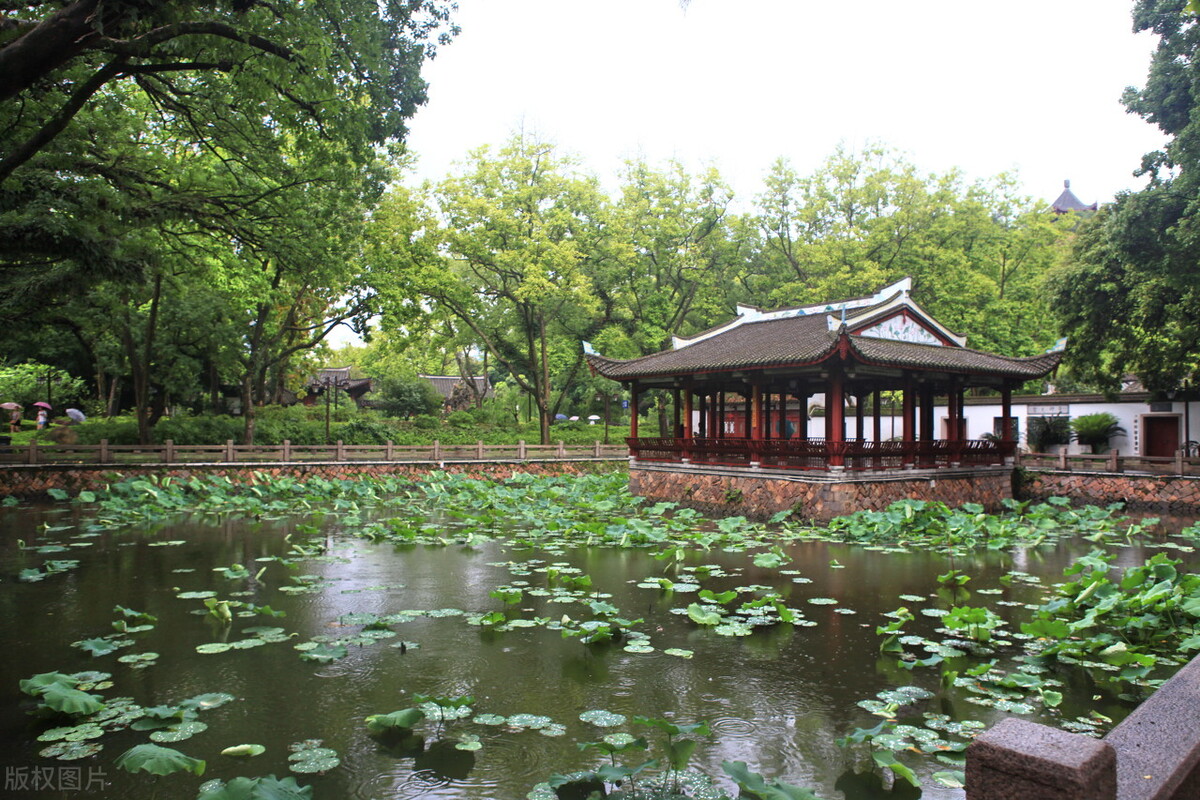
[469, 639]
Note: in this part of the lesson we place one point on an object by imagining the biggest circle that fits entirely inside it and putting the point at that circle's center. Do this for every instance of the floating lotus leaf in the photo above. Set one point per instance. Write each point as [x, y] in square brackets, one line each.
[244, 750]
[138, 659]
[531, 721]
[246, 644]
[70, 701]
[195, 595]
[87, 681]
[822, 601]
[602, 718]
[378, 724]
[489, 719]
[325, 653]
[553, 729]
[844, 611]
[469, 742]
[39, 683]
[406, 645]
[955, 780]
[80, 733]
[158, 760]
[213, 647]
[678, 652]
[177, 733]
[638, 647]
[210, 700]
[71, 751]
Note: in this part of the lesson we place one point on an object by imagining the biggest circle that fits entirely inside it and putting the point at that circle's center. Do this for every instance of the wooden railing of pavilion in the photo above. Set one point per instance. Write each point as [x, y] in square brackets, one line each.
[818, 454]
[171, 453]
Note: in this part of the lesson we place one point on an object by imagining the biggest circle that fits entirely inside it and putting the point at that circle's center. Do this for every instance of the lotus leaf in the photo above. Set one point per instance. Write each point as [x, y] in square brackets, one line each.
[61, 697]
[71, 751]
[158, 760]
[244, 750]
[213, 647]
[678, 652]
[603, 719]
[378, 724]
[266, 788]
[553, 729]
[822, 601]
[177, 733]
[489, 719]
[469, 742]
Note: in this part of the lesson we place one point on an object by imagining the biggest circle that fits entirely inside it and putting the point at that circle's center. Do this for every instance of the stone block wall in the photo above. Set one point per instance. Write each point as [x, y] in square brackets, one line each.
[1159, 494]
[758, 496]
[33, 482]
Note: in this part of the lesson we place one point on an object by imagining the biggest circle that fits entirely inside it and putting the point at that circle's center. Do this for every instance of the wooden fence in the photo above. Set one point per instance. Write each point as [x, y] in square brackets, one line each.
[170, 453]
[1179, 464]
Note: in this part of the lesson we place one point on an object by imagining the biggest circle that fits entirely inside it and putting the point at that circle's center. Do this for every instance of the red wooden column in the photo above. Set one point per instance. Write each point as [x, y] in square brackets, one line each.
[633, 410]
[908, 417]
[766, 416]
[756, 417]
[835, 416]
[703, 415]
[714, 416]
[1006, 431]
[877, 414]
[859, 433]
[686, 434]
[748, 411]
[926, 414]
[802, 396]
[676, 412]
[721, 414]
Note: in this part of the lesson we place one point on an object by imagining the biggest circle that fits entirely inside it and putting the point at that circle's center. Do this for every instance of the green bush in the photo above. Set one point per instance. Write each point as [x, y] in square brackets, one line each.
[461, 419]
[1096, 430]
[1046, 431]
[426, 422]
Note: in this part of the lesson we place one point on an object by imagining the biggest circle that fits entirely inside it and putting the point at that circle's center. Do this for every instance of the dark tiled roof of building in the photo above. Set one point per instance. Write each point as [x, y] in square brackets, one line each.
[800, 341]
[445, 383]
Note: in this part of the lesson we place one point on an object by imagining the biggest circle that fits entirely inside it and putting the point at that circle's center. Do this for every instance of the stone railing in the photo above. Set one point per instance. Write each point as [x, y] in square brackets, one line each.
[820, 454]
[1153, 755]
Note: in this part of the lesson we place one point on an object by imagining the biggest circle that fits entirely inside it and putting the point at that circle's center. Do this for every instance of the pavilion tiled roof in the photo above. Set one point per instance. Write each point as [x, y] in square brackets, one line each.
[808, 340]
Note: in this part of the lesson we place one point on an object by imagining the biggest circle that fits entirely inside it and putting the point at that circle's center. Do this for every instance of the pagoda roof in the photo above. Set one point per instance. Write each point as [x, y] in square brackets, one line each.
[1067, 202]
[853, 330]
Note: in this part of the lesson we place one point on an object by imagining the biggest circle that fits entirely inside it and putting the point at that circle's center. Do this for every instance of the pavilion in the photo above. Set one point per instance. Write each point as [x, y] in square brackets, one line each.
[743, 394]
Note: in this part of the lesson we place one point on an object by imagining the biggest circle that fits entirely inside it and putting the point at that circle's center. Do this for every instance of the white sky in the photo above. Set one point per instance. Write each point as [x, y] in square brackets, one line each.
[1026, 85]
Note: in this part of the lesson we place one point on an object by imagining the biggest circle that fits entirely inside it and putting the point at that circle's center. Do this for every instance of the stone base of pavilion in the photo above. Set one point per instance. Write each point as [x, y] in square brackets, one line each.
[819, 496]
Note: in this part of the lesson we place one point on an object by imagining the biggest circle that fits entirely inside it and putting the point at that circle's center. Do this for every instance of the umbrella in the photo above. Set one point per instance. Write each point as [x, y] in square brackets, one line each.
[10, 406]
[560, 416]
[41, 404]
[76, 414]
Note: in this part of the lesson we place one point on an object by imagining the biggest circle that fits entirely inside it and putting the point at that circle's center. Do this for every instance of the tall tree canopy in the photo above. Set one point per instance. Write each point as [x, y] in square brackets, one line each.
[1130, 301]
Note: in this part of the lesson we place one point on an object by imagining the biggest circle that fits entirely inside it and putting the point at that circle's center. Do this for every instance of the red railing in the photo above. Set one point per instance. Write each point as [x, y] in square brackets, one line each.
[819, 454]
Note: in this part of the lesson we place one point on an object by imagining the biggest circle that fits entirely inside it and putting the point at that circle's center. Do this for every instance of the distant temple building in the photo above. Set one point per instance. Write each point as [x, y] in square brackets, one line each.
[1068, 202]
[745, 434]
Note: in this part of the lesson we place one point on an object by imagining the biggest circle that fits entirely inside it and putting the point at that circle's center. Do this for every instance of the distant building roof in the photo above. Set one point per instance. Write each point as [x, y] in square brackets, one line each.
[1067, 202]
[445, 383]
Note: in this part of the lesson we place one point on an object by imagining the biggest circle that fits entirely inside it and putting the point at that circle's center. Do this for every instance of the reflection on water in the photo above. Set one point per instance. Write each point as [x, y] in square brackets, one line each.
[776, 699]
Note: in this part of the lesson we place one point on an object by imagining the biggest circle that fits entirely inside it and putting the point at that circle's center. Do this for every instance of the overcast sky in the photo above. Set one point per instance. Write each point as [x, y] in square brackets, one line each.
[1027, 85]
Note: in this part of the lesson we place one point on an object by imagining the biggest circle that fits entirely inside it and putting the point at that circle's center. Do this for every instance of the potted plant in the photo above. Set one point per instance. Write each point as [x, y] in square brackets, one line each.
[1046, 432]
[1096, 430]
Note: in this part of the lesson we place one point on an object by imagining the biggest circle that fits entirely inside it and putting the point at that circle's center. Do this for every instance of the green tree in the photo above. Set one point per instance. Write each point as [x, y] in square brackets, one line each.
[1130, 299]
[510, 256]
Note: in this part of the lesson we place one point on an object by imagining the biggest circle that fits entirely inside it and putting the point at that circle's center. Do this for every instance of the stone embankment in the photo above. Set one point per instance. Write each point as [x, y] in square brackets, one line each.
[33, 482]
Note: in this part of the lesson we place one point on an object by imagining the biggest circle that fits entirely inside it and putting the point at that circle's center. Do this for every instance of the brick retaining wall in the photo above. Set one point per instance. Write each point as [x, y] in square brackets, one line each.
[33, 482]
[1160, 494]
[726, 491]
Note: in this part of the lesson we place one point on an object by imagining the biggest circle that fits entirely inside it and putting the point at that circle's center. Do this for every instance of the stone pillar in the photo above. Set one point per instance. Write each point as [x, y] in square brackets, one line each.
[1022, 760]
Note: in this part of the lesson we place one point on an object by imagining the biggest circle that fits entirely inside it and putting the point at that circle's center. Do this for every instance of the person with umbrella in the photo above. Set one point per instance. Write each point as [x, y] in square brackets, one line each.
[43, 414]
[14, 418]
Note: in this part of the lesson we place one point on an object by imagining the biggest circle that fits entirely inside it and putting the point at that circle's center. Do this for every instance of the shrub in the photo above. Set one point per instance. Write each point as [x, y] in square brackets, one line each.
[426, 422]
[461, 419]
[1046, 431]
[1096, 429]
